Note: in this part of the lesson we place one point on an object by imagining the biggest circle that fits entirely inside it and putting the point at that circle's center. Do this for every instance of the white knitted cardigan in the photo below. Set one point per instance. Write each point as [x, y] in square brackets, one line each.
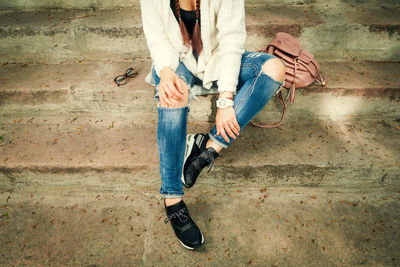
[223, 33]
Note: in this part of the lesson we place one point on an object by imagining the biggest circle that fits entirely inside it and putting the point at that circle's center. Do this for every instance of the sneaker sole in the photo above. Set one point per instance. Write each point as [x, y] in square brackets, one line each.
[202, 241]
[189, 145]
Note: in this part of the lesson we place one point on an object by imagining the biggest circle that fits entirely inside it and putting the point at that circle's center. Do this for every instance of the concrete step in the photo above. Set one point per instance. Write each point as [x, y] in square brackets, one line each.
[53, 119]
[332, 31]
[110, 4]
[78, 120]
[352, 90]
[103, 220]
[311, 152]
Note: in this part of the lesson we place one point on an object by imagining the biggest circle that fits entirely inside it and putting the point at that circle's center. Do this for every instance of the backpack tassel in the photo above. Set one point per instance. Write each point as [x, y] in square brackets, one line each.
[290, 96]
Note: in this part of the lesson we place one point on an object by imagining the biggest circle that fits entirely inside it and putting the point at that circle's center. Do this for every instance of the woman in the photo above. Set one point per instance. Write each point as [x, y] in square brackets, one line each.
[204, 40]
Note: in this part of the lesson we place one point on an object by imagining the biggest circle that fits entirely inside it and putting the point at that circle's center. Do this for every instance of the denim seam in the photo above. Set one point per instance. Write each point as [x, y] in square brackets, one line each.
[247, 92]
[253, 85]
[254, 66]
[171, 196]
[215, 140]
[255, 70]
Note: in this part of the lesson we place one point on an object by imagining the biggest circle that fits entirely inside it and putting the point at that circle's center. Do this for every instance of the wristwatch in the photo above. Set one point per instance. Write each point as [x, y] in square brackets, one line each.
[224, 102]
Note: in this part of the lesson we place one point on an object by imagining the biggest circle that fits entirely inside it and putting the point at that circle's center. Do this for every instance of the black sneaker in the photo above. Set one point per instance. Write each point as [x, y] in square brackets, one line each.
[189, 235]
[196, 158]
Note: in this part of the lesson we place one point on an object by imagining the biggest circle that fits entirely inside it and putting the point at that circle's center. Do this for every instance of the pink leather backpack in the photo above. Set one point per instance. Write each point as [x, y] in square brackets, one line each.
[301, 68]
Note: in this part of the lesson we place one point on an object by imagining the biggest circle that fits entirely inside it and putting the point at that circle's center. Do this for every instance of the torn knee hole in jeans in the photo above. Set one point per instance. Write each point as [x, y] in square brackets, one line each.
[172, 108]
[273, 65]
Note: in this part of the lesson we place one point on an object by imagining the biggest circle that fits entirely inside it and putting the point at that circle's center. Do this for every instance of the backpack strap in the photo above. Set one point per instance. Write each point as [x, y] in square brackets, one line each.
[290, 96]
[279, 97]
[321, 81]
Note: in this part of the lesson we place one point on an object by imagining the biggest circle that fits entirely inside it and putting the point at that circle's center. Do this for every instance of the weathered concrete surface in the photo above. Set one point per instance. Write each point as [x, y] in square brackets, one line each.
[79, 174]
[54, 119]
[309, 152]
[107, 219]
[352, 90]
[334, 32]
[352, 151]
[109, 4]
[78, 4]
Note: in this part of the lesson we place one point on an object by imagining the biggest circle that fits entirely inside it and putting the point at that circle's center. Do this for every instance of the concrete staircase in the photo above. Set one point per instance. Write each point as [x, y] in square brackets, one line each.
[332, 30]
[79, 174]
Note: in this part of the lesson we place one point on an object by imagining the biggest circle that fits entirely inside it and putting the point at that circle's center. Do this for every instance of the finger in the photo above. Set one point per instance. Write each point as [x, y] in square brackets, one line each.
[168, 102]
[162, 102]
[173, 88]
[172, 92]
[226, 138]
[236, 124]
[166, 99]
[163, 98]
[172, 101]
[167, 89]
[160, 93]
[217, 126]
[179, 85]
[220, 129]
[229, 131]
[233, 128]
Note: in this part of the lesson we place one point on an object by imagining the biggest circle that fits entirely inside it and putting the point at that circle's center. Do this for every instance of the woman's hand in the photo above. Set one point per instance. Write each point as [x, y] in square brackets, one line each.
[225, 120]
[170, 88]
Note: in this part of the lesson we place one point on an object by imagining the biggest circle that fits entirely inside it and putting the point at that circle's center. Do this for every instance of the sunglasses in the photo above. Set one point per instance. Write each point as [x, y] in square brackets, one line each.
[123, 79]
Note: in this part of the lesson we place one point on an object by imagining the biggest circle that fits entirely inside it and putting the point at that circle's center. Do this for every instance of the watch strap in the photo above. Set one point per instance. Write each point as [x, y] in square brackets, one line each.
[231, 102]
[230, 97]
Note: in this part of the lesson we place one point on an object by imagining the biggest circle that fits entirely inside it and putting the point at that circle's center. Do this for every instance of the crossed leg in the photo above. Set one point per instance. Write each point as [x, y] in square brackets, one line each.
[272, 67]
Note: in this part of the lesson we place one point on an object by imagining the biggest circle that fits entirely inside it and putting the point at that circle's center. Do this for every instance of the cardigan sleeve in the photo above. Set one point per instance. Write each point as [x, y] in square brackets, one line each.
[231, 38]
[161, 49]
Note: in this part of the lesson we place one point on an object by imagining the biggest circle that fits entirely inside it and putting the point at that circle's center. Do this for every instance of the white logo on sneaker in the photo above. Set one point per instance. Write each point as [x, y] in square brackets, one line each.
[199, 140]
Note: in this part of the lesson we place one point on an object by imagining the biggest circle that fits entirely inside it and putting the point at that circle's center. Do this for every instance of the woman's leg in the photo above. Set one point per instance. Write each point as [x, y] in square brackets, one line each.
[171, 138]
[261, 75]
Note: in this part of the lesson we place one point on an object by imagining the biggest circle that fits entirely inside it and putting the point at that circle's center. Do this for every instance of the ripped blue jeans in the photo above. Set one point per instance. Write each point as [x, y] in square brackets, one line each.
[254, 90]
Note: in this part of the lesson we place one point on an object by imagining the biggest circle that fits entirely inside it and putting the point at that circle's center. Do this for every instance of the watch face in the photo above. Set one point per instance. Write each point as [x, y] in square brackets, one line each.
[223, 102]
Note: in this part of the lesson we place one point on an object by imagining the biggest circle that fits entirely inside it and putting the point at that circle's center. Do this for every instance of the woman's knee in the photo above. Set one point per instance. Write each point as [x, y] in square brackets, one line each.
[177, 103]
[275, 68]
